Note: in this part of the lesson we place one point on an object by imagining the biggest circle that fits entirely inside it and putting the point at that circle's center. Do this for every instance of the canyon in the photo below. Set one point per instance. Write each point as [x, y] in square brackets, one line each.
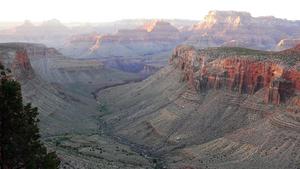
[149, 44]
[224, 107]
[62, 89]
[220, 93]
[153, 41]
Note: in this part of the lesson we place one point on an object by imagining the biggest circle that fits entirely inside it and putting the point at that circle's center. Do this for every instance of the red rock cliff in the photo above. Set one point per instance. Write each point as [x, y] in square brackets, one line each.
[240, 70]
[17, 59]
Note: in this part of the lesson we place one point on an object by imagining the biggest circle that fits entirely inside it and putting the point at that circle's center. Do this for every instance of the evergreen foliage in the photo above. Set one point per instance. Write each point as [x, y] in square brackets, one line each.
[20, 145]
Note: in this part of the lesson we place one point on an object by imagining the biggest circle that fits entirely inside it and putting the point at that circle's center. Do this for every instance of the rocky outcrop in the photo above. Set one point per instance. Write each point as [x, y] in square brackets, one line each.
[245, 72]
[240, 29]
[17, 60]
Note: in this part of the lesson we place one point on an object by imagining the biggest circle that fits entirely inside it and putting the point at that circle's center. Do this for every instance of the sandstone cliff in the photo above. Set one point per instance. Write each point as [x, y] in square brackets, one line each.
[16, 59]
[241, 70]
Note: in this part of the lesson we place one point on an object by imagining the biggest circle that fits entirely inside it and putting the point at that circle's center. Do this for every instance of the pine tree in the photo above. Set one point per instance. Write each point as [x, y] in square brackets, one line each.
[20, 145]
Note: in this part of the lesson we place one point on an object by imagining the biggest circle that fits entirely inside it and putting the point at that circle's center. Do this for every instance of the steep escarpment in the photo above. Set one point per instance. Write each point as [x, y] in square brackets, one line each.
[213, 108]
[240, 70]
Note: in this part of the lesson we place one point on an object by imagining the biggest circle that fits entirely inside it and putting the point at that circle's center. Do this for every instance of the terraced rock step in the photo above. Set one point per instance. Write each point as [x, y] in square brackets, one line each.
[284, 121]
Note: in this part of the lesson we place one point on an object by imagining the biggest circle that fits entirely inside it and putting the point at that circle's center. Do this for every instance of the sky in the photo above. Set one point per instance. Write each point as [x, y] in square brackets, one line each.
[111, 10]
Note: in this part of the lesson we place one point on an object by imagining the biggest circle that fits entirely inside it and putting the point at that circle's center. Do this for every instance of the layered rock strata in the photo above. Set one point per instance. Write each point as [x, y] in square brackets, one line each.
[240, 72]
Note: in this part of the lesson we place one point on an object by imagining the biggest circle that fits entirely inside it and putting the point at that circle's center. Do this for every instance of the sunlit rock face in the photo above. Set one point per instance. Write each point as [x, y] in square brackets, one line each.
[230, 19]
[158, 26]
[240, 71]
[160, 31]
[287, 43]
[232, 28]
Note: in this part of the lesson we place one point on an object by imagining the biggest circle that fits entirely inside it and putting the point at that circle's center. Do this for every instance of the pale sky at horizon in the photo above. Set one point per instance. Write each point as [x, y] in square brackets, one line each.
[111, 10]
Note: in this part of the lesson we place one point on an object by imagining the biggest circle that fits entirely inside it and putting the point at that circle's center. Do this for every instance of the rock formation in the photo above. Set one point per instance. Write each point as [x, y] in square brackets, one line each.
[238, 72]
[149, 44]
[155, 31]
[240, 29]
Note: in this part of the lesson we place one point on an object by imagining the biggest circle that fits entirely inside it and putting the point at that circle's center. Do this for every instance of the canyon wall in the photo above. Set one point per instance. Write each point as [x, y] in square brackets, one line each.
[243, 74]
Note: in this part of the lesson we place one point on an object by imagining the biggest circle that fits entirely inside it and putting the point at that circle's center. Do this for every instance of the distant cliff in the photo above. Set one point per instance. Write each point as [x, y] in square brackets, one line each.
[240, 29]
[152, 38]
